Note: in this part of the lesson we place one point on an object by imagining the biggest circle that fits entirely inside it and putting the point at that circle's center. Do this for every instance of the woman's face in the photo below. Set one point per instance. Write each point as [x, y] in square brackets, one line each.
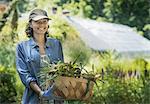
[40, 27]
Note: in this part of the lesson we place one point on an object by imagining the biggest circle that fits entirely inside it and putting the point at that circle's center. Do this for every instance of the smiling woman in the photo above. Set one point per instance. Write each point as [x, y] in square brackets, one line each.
[39, 26]
[30, 58]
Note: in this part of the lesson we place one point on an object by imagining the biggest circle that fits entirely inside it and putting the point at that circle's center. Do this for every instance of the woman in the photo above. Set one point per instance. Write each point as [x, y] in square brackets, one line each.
[31, 54]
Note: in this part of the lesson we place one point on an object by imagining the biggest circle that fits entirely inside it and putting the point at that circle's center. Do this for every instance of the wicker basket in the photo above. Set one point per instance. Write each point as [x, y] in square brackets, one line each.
[71, 88]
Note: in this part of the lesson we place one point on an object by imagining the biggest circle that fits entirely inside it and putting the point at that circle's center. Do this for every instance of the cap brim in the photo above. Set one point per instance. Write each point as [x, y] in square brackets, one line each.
[40, 17]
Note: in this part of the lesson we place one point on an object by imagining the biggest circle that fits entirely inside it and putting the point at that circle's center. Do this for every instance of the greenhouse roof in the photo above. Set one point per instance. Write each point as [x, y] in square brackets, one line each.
[104, 36]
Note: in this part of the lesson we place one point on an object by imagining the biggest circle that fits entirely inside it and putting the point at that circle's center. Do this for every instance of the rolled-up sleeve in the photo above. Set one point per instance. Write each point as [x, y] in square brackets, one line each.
[21, 66]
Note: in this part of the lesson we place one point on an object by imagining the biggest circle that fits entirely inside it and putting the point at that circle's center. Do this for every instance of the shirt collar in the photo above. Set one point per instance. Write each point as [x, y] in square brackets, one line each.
[34, 44]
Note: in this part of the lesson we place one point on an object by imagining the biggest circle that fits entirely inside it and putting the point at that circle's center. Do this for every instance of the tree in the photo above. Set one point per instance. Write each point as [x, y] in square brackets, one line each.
[134, 13]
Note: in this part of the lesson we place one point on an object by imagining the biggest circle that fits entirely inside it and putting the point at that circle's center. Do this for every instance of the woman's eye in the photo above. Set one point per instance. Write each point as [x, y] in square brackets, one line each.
[45, 21]
[37, 22]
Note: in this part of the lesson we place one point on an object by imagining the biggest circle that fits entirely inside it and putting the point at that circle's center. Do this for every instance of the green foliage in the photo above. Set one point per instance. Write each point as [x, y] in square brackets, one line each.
[146, 30]
[7, 54]
[116, 91]
[11, 88]
[145, 92]
[71, 69]
[60, 29]
[52, 72]
[81, 8]
[130, 12]
[76, 48]
[8, 91]
[134, 13]
[120, 84]
[13, 8]
[84, 8]
[119, 91]
[140, 64]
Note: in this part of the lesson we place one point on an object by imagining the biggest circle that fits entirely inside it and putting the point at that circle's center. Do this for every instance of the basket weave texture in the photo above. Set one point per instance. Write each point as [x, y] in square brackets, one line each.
[71, 88]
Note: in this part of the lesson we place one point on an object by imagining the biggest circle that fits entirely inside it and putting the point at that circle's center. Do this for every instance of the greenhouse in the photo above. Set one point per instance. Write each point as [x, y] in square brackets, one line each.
[103, 36]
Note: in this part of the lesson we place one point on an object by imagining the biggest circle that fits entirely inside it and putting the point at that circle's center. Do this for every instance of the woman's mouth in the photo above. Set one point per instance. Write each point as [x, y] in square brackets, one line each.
[42, 29]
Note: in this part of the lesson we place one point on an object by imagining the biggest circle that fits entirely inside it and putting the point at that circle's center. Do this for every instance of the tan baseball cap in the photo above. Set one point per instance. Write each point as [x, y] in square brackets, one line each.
[38, 14]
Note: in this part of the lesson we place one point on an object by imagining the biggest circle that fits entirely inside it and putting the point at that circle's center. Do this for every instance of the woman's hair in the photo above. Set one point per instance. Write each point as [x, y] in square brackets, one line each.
[29, 30]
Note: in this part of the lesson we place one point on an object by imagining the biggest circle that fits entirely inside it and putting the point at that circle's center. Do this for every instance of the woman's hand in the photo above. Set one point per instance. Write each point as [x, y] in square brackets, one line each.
[48, 94]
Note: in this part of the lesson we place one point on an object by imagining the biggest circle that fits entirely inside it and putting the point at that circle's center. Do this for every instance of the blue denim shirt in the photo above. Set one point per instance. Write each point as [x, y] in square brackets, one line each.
[28, 64]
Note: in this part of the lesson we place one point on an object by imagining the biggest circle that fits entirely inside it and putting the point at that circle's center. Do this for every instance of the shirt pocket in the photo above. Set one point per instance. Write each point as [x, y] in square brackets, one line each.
[33, 65]
[53, 58]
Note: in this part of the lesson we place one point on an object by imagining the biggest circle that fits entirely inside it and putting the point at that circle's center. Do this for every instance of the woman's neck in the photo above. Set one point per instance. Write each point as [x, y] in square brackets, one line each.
[39, 39]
